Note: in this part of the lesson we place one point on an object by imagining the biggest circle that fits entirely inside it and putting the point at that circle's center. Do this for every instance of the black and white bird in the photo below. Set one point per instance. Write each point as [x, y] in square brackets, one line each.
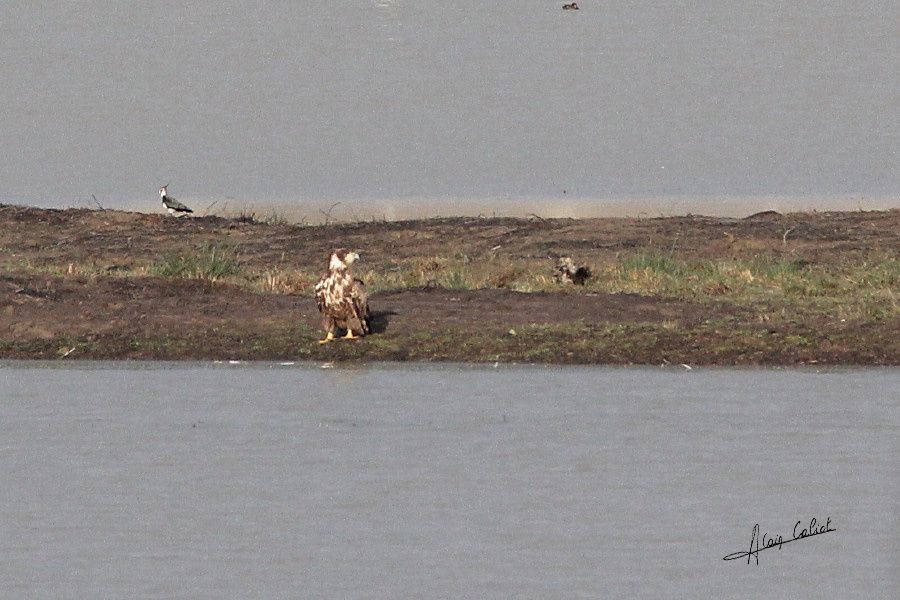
[171, 204]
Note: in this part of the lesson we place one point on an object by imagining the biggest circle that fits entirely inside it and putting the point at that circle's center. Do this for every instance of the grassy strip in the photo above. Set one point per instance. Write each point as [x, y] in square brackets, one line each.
[863, 287]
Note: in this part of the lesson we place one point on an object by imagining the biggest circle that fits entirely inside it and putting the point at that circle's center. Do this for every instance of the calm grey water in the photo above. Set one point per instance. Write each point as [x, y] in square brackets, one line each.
[264, 481]
[311, 102]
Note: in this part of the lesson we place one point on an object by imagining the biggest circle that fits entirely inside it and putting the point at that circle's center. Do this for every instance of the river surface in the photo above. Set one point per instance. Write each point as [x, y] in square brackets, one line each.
[156, 480]
[433, 107]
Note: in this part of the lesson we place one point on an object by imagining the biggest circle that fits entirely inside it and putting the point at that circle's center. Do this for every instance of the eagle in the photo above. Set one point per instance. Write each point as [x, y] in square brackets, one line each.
[567, 272]
[171, 204]
[342, 299]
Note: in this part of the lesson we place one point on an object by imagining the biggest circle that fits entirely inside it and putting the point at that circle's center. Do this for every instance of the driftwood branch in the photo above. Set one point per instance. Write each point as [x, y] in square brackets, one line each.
[97, 202]
[784, 237]
[206, 212]
[328, 212]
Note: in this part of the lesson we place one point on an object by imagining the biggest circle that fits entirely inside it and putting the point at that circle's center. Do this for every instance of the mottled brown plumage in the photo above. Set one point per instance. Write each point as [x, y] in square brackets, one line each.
[567, 272]
[341, 298]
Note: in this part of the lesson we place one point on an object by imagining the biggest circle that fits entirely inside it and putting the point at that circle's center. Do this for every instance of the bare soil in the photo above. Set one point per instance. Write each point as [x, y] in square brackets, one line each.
[118, 240]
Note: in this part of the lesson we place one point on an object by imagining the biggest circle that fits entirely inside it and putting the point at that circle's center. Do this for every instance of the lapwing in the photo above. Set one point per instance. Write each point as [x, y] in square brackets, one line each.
[171, 204]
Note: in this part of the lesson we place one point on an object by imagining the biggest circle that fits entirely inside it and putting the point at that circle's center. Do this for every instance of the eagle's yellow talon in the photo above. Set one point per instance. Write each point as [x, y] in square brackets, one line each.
[328, 337]
[350, 335]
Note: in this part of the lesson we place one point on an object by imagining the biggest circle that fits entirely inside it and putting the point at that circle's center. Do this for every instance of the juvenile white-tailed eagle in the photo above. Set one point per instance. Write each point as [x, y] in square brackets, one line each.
[342, 298]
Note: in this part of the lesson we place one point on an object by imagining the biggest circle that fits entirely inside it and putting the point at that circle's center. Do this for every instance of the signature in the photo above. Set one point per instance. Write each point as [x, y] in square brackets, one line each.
[758, 544]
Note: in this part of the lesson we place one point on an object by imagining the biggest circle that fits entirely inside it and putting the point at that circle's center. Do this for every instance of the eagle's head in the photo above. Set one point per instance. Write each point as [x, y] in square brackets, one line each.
[162, 191]
[341, 259]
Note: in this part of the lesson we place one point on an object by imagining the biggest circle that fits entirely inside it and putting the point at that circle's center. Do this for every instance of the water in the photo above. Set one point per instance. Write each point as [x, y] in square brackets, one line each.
[429, 106]
[197, 481]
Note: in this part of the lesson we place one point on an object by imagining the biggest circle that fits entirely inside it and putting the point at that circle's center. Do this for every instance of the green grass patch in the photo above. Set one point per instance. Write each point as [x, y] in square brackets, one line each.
[653, 262]
[211, 263]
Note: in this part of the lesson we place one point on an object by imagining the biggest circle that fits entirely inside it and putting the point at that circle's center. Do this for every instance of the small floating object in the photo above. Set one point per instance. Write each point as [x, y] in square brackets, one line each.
[687, 367]
[234, 362]
[328, 365]
[572, 6]
[286, 364]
